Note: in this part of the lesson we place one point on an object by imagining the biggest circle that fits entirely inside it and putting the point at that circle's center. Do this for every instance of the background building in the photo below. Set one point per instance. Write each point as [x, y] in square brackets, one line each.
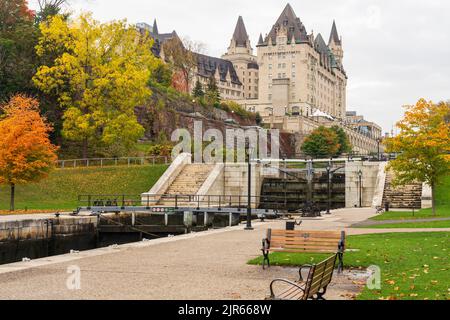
[296, 82]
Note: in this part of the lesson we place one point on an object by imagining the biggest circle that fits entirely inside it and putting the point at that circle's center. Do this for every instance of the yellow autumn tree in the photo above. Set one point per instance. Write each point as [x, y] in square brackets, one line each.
[99, 74]
[423, 145]
[26, 153]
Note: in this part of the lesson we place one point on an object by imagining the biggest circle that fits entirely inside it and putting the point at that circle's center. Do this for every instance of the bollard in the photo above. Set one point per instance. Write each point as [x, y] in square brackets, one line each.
[386, 206]
[290, 225]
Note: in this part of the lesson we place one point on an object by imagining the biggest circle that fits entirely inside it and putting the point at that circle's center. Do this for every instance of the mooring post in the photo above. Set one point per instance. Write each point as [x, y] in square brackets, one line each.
[230, 219]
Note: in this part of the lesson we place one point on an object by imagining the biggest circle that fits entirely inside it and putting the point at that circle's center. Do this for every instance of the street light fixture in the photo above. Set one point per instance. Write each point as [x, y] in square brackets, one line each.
[249, 190]
[328, 189]
[378, 143]
[360, 187]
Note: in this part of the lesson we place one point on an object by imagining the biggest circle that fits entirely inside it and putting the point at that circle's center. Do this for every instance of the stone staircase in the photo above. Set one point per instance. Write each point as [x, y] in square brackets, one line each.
[402, 197]
[188, 182]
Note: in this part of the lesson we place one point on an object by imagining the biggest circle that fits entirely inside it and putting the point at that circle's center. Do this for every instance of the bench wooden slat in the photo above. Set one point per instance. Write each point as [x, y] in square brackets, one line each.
[302, 246]
[312, 232]
[307, 235]
[304, 251]
[297, 240]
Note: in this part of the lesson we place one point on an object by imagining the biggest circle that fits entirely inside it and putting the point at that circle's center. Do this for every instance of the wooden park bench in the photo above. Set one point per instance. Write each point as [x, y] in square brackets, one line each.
[302, 241]
[314, 287]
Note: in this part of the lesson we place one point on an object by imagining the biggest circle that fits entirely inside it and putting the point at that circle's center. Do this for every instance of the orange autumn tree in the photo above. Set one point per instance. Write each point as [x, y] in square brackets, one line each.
[26, 153]
[423, 146]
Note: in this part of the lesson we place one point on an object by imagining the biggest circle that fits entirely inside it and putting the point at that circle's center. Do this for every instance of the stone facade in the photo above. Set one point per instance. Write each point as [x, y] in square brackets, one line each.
[240, 53]
[298, 72]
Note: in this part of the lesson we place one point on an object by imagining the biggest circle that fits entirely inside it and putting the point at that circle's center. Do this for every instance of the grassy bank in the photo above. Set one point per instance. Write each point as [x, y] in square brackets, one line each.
[442, 206]
[411, 225]
[413, 265]
[61, 189]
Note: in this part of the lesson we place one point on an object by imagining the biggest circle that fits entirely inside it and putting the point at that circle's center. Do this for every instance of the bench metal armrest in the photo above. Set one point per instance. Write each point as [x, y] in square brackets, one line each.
[265, 244]
[272, 295]
[301, 268]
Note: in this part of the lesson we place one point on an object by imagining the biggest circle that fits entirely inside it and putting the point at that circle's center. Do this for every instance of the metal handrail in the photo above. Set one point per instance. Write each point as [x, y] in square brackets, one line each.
[103, 162]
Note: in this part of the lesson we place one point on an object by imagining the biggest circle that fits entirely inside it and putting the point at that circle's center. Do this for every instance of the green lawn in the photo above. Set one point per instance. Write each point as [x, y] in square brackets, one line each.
[442, 205]
[412, 225]
[61, 189]
[413, 266]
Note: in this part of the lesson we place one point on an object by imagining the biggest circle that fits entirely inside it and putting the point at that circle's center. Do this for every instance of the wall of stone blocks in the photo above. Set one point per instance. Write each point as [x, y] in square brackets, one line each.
[236, 182]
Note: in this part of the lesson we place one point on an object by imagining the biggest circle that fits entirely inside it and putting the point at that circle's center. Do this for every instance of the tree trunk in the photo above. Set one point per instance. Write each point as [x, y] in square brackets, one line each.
[85, 148]
[13, 189]
[433, 202]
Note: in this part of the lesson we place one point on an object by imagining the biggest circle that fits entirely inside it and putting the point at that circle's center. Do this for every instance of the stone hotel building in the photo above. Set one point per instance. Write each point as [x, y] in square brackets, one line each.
[296, 81]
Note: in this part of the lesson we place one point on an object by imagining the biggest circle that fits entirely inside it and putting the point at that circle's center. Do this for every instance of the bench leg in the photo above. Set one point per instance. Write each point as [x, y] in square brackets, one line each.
[321, 294]
[266, 259]
[341, 262]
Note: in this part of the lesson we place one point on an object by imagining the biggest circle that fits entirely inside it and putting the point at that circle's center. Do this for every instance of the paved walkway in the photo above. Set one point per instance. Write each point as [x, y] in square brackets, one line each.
[206, 265]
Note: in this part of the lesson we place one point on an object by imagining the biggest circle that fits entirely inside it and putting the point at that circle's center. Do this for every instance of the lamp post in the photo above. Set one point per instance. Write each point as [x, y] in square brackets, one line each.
[378, 144]
[360, 188]
[328, 189]
[249, 191]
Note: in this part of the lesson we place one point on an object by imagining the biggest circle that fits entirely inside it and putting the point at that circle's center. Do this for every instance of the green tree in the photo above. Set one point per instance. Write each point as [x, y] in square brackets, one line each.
[344, 142]
[258, 118]
[198, 90]
[162, 74]
[212, 94]
[321, 143]
[99, 76]
[18, 37]
[423, 146]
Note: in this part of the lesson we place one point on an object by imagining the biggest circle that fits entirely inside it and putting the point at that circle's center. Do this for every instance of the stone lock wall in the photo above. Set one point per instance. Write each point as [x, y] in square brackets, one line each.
[368, 183]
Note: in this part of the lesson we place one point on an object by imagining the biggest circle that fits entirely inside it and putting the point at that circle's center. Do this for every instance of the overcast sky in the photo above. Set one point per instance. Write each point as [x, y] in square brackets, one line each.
[395, 51]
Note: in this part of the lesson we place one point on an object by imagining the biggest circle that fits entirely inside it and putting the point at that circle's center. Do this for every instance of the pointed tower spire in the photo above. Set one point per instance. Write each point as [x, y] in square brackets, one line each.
[261, 40]
[240, 35]
[155, 28]
[334, 36]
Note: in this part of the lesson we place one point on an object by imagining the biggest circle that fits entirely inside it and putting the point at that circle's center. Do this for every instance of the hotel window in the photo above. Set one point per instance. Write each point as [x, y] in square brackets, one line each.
[270, 76]
[293, 74]
[270, 97]
[284, 65]
[293, 65]
[270, 66]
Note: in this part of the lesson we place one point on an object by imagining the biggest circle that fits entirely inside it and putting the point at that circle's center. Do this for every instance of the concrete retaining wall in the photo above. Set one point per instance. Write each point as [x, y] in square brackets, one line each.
[368, 185]
[379, 185]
